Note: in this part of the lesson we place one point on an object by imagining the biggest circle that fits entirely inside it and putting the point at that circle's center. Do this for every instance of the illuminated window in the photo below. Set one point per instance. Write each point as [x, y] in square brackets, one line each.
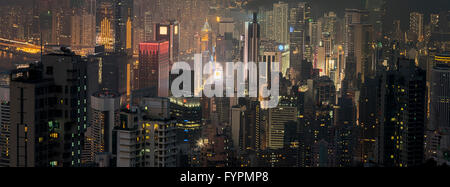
[163, 30]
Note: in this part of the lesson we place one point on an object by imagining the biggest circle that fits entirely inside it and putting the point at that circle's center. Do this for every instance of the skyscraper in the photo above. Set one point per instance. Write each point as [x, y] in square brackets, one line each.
[353, 16]
[280, 19]
[298, 27]
[156, 134]
[404, 107]
[123, 18]
[153, 71]
[105, 24]
[170, 32]
[251, 44]
[51, 132]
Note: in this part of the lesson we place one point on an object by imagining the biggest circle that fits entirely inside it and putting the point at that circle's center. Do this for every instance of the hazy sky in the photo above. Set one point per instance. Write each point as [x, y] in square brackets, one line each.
[397, 9]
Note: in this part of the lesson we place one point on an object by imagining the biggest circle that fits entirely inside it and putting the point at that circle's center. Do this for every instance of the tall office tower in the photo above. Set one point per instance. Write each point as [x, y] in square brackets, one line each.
[252, 40]
[353, 16]
[404, 107]
[105, 111]
[105, 24]
[156, 134]
[331, 25]
[55, 25]
[280, 19]
[138, 24]
[51, 132]
[5, 125]
[170, 32]
[265, 18]
[153, 70]
[123, 18]
[298, 19]
[83, 28]
[327, 46]
[416, 25]
[278, 117]
[251, 46]
[440, 106]
[360, 36]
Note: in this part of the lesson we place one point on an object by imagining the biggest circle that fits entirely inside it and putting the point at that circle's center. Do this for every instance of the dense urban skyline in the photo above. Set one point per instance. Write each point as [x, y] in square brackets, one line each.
[224, 83]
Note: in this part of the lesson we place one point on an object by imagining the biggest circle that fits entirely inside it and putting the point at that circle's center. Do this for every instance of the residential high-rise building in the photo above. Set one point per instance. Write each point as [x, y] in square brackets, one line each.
[124, 138]
[267, 25]
[156, 134]
[53, 95]
[404, 107]
[146, 136]
[280, 19]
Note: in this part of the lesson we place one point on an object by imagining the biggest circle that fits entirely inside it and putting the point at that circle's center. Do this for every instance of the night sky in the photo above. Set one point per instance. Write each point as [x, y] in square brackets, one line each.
[397, 9]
